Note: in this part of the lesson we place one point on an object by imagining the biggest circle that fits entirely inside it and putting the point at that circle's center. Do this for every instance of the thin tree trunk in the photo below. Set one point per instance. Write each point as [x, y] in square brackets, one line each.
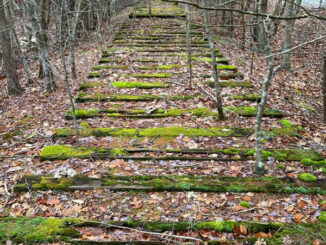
[42, 48]
[214, 64]
[324, 88]
[188, 43]
[62, 49]
[25, 64]
[150, 6]
[13, 85]
[260, 166]
[291, 10]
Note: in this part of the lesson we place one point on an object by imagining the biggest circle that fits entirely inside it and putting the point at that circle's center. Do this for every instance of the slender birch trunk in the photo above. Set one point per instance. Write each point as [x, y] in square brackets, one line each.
[260, 166]
[214, 64]
[188, 38]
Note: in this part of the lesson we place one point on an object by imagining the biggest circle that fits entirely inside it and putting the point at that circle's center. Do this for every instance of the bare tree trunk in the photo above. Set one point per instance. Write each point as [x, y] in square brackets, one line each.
[214, 64]
[291, 10]
[260, 166]
[13, 85]
[324, 88]
[44, 21]
[25, 64]
[188, 43]
[150, 6]
[62, 49]
[42, 48]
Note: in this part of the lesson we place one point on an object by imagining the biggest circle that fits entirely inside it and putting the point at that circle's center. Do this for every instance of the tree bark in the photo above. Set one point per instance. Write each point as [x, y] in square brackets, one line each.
[214, 64]
[324, 87]
[13, 85]
[188, 43]
[42, 48]
[291, 10]
[260, 166]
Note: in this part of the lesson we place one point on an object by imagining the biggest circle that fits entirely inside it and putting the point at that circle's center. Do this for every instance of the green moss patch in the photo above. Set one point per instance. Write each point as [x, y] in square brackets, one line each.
[139, 113]
[104, 67]
[218, 60]
[307, 177]
[322, 217]
[61, 152]
[94, 75]
[140, 85]
[226, 67]
[159, 132]
[311, 162]
[164, 16]
[86, 85]
[161, 67]
[18, 229]
[164, 183]
[83, 97]
[244, 204]
[232, 84]
[149, 75]
[225, 76]
[36, 230]
[250, 97]
[252, 111]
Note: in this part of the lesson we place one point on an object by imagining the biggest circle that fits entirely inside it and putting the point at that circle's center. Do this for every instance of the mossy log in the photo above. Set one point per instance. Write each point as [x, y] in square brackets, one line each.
[159, 67]
[159, 132]
[250, 97]
[173, 42]
[42, 230]
[159, 45]
[231, 84]
[141, 85]
[152, 75]
[224, 76]
[87, 85]
[170, 50]
[164, 16]
[83, 97]
[140, 113]
[63, 152]
[172, 183]
[247, 111]
[109, 60]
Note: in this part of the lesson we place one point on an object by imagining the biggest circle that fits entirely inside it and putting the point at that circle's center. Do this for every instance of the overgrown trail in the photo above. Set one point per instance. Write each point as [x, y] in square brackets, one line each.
[154, 165]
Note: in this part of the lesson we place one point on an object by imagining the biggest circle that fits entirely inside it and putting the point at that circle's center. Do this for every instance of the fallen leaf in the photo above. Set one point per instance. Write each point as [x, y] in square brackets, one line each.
[136, 204]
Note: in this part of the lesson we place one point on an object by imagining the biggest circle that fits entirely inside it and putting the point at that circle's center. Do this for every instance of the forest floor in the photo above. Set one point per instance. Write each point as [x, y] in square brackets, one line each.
[153, 162]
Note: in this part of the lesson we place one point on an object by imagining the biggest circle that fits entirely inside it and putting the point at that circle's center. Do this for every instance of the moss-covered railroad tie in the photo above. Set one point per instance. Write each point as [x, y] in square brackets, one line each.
[171, 132]
[164, 16]
[172, 183]
[159, 45]
[249, 111]
[63, 152]
[160, 132]
[42, 230]
[159, 67]
[232, 84]
[223, 76]
[140, 113]
[159, 113]
[83, 97]
[153, 75]
[140, 85]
